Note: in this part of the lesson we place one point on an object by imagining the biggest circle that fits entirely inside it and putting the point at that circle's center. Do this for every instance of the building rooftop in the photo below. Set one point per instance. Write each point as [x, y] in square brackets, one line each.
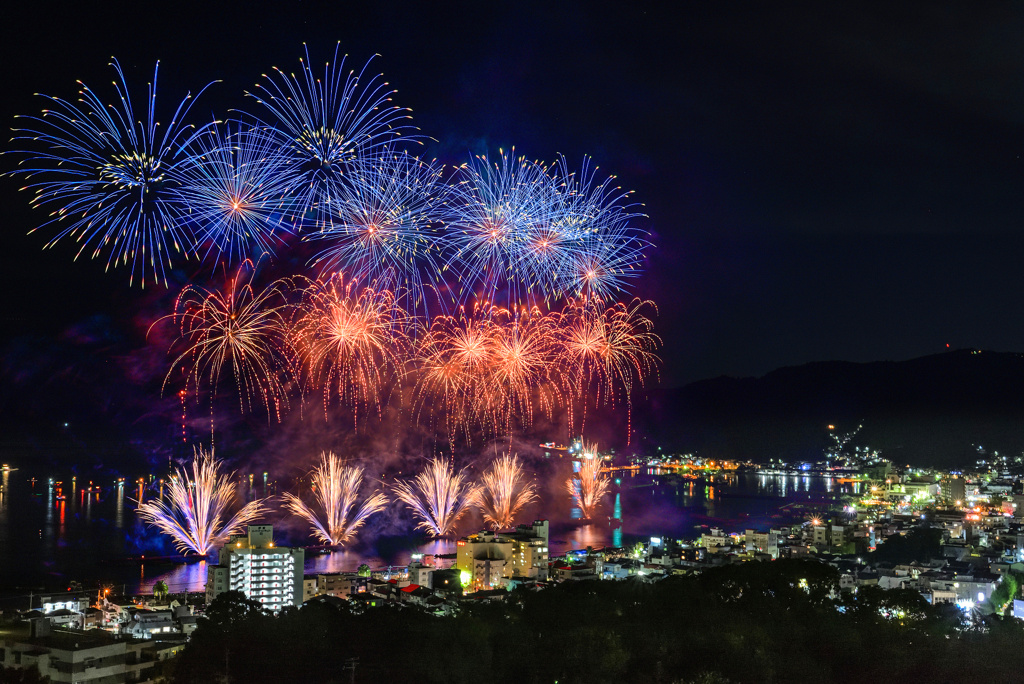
[58, 638]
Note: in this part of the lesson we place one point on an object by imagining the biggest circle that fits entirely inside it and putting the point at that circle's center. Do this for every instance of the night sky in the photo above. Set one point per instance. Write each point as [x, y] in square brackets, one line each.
[830, 181]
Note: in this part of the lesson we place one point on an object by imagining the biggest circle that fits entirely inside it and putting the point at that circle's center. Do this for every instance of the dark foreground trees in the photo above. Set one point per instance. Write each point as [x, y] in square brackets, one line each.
[771, 622]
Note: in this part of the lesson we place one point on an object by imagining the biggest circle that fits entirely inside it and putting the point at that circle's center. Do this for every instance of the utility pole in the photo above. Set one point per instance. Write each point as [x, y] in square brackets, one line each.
[350, 665]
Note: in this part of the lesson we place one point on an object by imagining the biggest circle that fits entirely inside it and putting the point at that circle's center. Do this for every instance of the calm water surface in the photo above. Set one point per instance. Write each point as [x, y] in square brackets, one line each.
[53, 533]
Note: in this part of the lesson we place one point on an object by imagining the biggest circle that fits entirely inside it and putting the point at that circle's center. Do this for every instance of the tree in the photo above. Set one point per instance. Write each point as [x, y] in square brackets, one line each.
[27, 675]
[920, 544]
[364, 570]
[160, 590]
[1001, 600]
[231, 608]
[708, 677]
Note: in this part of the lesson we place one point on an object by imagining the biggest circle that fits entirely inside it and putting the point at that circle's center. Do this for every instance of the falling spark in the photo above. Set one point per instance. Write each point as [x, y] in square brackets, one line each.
[438, 496]
[588, 486]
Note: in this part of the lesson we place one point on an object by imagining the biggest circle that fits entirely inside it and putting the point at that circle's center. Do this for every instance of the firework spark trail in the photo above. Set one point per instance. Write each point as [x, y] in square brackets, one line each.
[438, 496]
[325, 122]
[105, 173]
[195, 514]
[503, 492]
[336, 492]
[351, 341]
[384, 227]
[588, 486]
[239, 328]
[231, 192]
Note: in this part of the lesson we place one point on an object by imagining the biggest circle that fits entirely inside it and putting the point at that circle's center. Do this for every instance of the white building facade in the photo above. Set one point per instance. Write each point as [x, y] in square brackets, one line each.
[255, 566]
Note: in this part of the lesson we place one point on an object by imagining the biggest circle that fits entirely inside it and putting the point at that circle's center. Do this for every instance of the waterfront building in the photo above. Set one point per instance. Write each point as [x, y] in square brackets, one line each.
[421, 574]
[489, 559]
[715, 540]
[75, 601]
[341, 584]
[64, 609]
[255, 566]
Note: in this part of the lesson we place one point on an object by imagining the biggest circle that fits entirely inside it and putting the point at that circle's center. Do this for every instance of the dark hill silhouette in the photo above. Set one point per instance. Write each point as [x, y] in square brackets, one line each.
[930, 410]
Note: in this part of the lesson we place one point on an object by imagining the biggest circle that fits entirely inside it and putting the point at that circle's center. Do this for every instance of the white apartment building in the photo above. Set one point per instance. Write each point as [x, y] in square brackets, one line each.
[255, 566]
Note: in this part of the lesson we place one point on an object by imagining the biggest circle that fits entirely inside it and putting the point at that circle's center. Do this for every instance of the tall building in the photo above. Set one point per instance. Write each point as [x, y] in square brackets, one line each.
[253, 565]
[490, 558]
[954, 490]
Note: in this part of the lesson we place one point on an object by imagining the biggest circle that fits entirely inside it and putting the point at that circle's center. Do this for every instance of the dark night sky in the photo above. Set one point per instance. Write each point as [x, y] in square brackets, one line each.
[829, 181]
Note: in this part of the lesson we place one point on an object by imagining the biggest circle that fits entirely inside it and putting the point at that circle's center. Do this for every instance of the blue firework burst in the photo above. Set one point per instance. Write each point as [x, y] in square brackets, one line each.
[325, 122]
[497, 207]
[602, 249]
[384, 227]
[106, 174]
[522, 231]
[233, 194]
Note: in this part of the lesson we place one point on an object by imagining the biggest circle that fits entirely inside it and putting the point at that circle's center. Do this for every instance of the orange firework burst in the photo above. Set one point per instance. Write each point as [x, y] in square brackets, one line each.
[503, 492]
[452, 358]
[351, 341]
[588, 486]
[524, 366]
[488, 371]
[336, 491]
[239, 328]
[606, 351]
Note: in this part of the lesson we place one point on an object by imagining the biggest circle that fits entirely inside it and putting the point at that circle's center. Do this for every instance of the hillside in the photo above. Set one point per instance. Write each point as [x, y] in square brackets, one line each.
[930, 410]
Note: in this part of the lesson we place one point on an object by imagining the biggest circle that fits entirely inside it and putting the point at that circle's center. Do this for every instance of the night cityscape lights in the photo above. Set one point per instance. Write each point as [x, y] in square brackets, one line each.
[408, 350]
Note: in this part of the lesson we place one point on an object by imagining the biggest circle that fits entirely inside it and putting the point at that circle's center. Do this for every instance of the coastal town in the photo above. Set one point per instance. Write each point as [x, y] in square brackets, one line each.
[953, 538]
